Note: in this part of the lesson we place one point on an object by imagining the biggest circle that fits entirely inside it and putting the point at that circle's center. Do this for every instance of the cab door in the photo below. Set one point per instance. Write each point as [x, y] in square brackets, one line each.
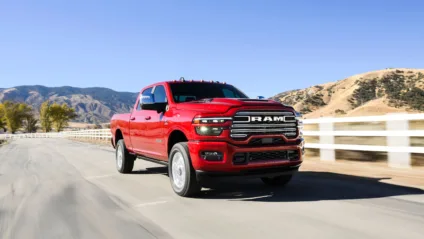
[154, 135]
[138, 125]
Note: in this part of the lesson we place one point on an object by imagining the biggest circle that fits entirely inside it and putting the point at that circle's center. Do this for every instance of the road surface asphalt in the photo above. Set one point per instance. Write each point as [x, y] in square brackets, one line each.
[56, 188]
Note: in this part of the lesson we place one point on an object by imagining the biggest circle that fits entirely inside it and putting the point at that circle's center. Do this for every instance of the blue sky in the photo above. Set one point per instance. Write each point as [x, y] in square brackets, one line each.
[262, 47]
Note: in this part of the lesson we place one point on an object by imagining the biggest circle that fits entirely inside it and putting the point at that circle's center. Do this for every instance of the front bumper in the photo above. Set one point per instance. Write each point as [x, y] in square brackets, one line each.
[226, 166]
[208, 176]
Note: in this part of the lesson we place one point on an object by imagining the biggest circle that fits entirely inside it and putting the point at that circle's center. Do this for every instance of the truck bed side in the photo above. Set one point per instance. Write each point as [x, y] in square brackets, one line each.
[119, 124]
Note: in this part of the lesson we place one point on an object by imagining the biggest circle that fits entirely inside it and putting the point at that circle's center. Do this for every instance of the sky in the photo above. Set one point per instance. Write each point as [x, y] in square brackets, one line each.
[262, 47]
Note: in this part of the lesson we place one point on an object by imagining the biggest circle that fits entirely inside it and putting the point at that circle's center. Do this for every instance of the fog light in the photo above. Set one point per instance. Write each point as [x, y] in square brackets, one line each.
[211, 155]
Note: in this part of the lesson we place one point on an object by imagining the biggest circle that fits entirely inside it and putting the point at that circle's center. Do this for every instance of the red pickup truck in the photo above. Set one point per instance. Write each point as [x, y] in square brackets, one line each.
[205, 130]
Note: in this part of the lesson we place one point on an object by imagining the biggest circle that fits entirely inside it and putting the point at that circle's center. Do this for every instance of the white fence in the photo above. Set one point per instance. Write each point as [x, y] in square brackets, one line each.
[89, 134]
[396, 131]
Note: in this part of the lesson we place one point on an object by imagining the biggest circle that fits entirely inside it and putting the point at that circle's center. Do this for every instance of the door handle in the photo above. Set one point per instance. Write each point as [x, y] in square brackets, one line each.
[148, 117]
[132, 118]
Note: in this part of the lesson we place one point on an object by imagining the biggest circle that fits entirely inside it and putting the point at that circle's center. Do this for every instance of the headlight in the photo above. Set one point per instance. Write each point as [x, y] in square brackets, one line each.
[215, 120]
[210, 126]
[299, 120]
[209, 130]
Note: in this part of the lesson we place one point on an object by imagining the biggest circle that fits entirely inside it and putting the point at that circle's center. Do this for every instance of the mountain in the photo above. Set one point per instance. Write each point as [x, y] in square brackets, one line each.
[372, 93]
[93, 105]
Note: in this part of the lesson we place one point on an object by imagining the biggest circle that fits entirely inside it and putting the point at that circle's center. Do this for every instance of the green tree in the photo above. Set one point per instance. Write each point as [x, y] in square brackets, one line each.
[2, 122]
[30, 124]
[61, 115]
[14, 114]
[45, 117]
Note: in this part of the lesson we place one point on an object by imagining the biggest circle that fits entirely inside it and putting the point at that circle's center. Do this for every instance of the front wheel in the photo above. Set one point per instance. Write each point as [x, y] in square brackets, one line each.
[278, 180]
[181, 173]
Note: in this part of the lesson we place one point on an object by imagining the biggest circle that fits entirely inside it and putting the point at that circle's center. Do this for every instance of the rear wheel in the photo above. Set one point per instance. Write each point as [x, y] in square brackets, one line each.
[124, 160]
[278, 180]
[181, 173]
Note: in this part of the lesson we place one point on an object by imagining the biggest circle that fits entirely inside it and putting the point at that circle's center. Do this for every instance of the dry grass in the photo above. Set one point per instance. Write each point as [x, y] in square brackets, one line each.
[337, 94]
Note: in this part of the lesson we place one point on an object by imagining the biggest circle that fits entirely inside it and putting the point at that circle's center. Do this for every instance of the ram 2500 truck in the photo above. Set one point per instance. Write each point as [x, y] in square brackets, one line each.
[205, 130]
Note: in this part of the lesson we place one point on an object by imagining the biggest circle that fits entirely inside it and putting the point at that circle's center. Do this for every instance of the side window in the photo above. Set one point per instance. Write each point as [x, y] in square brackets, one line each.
[138, 105]
[146, 92]
[159, 94]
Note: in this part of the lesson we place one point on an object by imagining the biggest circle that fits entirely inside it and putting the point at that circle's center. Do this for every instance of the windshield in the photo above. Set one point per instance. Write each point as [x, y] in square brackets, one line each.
[189, 91]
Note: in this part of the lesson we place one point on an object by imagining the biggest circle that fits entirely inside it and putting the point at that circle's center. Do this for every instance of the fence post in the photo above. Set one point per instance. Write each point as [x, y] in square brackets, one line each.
[398, 159]
[327, 154]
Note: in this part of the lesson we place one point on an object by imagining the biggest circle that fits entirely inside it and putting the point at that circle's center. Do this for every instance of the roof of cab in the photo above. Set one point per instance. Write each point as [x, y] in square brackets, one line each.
[182, 80]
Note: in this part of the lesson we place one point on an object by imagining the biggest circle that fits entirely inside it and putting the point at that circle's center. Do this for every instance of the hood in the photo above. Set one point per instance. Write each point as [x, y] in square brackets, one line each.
[222, 105]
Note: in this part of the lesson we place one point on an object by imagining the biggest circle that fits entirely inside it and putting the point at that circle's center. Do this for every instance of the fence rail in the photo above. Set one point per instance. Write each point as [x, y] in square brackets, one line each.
[396, 131]
[91, 133]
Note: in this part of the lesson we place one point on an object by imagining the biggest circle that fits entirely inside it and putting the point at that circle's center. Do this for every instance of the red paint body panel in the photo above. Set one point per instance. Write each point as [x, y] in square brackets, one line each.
[147, 132]
[229, 150]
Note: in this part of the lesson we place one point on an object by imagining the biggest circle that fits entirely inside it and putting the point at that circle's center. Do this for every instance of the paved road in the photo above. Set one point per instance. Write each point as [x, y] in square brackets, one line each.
[51, 188]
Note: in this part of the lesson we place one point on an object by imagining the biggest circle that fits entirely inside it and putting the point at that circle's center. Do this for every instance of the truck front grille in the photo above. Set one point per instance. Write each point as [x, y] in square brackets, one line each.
[247, 123]
[266, 156]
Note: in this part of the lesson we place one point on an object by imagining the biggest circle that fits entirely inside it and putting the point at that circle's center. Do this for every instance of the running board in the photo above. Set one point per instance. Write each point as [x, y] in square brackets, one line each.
[152, 160]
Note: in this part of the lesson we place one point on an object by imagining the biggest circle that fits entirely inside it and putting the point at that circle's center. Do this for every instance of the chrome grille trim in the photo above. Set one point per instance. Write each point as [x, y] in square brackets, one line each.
[261, 130]
[262, 125]
[242, 126]
[264, 113]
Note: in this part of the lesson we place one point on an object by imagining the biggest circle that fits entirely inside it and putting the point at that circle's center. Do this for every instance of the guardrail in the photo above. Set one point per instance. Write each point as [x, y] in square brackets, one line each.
[397, 135]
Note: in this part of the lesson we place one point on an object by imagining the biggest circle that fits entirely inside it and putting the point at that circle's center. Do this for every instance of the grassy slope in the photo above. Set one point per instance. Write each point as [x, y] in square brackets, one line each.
[335, 95]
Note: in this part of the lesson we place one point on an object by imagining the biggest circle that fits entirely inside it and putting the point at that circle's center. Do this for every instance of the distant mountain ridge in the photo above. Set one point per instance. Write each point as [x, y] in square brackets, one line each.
[93, 105]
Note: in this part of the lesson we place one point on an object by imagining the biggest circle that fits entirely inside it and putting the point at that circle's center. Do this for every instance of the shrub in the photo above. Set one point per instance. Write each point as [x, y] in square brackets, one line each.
[393, 84]
[414, 98]
[366, 91]
[330, 90]
[305, 110]
[420, 76]
[339, 111]
[315, 100]
[401, 93]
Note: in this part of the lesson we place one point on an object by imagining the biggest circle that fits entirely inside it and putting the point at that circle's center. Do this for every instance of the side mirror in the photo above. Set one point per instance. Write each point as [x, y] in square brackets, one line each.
[260, 97]
[148, 103]
[159, 107]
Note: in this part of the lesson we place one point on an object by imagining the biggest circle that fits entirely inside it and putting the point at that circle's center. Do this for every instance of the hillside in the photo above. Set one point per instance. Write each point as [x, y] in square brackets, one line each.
[372, 93]
[91, 104]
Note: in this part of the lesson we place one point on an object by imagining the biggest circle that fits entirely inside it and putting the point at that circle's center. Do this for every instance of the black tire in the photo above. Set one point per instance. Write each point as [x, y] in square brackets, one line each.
[190, 185]
[127, 164]
[278, 180]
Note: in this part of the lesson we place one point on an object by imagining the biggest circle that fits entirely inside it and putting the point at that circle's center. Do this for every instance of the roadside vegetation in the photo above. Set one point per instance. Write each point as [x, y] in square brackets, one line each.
[396, 88]
[15, 116]
[400, 90]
